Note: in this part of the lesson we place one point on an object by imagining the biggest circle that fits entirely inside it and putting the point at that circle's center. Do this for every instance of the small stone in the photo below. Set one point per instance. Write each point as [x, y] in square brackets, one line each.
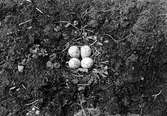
[49, 64]
[33, 109]
[75, 81]
[99, 44]
[106, 41]
[65, 36]
[84, 34]
[83, 70]
[93, 23]
[35, 56]
[53, 56]
[20, 68]
[37, 112]
[81, 88]
[75, 23]
[57, 28]
[142, 78]
[27, 114]
[34, 51]
[28, 0]
[56, 65]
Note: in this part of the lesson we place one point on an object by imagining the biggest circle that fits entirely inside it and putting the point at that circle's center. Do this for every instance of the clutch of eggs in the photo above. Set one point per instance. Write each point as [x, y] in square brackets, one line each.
[75, 53]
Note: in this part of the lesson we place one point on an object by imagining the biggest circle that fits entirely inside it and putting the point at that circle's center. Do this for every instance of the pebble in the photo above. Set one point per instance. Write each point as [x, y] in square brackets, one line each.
[20, 68]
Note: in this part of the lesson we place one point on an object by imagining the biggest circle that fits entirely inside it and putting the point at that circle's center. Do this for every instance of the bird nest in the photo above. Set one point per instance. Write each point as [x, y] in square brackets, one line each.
[99, 55]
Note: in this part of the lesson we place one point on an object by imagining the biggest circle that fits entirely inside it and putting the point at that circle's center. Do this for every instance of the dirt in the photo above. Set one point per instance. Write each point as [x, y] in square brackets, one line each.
[128, 42]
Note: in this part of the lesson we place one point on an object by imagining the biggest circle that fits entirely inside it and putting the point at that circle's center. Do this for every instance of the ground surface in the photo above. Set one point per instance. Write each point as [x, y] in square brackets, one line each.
[129, 43]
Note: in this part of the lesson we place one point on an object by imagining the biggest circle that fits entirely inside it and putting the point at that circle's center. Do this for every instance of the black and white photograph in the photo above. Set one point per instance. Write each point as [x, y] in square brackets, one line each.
[83, 57]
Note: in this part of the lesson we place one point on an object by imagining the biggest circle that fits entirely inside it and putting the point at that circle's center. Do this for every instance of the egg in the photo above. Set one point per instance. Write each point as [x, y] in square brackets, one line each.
[74, 63]
[85, 51]
[87, 62]
[74, 52]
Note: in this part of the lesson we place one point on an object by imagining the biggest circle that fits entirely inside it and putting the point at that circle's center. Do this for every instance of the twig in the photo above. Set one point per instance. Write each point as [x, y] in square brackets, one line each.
[104, 62]
[156, 95]
[77, 40]
[84, 13]
[141, 110]
[23, 86]
[93, 38]
[66, 46]
[108, 10]
[116, 41]
[97, 53]
[69, 24]
[82, 84]
[32, 103]
[6, 99]
[93, 43]
[25, 22]
[39, 10]
[89, 30]
[82, 108]
[77, 75]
